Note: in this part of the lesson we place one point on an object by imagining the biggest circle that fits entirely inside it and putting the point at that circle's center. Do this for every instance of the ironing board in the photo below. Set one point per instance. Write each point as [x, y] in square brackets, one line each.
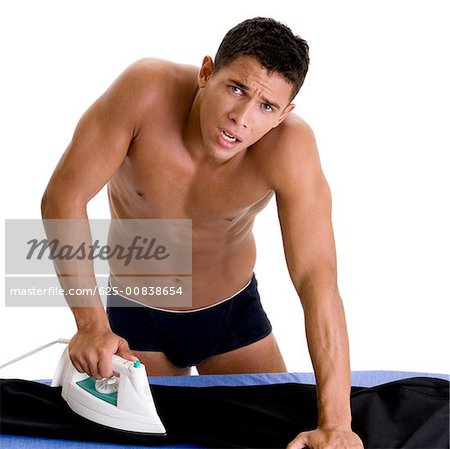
[359, 378]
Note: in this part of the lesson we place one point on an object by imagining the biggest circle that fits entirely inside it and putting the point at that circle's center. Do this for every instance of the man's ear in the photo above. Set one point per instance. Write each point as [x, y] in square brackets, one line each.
[206, 71]
[285, 113]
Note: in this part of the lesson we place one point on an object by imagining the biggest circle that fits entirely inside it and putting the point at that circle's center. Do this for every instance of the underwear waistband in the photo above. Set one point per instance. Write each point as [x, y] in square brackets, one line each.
[199, 309]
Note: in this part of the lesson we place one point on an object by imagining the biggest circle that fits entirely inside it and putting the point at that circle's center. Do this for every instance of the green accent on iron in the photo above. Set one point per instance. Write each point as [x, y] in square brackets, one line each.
[89, 385]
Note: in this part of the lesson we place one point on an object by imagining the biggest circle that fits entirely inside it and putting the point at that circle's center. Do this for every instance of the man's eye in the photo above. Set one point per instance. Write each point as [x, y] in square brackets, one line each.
[267, 107]
[236, 90]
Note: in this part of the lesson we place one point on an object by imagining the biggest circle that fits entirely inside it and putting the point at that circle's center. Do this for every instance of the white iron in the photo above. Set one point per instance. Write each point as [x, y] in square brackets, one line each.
[122, 402]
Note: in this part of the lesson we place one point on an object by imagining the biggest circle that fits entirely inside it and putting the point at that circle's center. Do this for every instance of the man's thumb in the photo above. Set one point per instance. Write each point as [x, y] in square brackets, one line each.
[124, 351]
[300, 441]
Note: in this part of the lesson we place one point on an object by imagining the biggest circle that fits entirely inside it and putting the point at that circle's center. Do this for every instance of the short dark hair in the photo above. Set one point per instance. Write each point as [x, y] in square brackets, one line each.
[272, 43]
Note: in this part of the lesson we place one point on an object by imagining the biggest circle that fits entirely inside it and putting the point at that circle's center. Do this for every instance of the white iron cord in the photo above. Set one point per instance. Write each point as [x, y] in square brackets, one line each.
[34, 351]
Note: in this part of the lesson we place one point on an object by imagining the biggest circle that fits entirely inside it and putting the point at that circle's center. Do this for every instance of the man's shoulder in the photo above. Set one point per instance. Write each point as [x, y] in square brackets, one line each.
[150, 80]
[290, 143]
[160, 70]
[293, 131]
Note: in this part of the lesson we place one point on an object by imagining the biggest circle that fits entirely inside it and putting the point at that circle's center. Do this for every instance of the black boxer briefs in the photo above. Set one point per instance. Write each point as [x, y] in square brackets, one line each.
[190, 337]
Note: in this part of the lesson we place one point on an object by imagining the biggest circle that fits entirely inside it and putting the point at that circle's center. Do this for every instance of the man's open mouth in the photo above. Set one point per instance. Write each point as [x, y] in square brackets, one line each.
[229, 138]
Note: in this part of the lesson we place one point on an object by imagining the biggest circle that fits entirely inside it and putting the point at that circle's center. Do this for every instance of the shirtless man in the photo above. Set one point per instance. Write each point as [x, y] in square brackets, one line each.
[214, 145]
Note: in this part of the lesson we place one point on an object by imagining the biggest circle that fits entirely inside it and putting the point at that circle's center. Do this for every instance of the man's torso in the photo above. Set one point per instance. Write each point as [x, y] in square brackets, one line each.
[160, 179]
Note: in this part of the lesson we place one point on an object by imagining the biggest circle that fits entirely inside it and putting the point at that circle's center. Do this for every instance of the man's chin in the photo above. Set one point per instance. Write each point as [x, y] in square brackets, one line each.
[224, 155]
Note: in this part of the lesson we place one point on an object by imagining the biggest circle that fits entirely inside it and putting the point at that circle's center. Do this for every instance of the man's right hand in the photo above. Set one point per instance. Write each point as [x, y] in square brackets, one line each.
[91, 351]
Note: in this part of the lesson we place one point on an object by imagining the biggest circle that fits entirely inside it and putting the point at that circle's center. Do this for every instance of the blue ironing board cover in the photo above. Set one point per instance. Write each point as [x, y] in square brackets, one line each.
[359, 379]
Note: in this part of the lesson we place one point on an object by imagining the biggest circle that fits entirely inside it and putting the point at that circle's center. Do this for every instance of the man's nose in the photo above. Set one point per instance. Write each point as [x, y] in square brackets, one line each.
[241, 114]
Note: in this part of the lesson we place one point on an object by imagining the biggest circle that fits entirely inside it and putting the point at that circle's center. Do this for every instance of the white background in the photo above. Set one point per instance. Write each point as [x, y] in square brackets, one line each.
[377, 97]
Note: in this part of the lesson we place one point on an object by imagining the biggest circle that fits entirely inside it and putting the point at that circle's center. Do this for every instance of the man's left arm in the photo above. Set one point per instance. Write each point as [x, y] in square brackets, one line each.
[304, 209]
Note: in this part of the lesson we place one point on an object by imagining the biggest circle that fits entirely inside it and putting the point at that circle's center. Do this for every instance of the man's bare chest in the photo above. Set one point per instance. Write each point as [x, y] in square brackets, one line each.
[162, 182]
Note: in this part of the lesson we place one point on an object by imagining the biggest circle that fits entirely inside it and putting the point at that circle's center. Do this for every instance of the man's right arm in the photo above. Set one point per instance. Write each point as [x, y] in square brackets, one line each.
[98, 148]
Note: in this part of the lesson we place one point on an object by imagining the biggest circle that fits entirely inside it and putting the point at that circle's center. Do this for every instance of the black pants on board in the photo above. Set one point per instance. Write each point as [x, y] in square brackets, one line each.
[410, 413]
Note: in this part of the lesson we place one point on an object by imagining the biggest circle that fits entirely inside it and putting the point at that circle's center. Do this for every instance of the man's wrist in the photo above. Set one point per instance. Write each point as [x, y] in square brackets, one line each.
[335, 420]
[91, 318]
[335, 426]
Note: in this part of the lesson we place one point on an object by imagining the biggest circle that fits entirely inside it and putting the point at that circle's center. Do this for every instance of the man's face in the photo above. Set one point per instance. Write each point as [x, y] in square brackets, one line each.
[240, 103]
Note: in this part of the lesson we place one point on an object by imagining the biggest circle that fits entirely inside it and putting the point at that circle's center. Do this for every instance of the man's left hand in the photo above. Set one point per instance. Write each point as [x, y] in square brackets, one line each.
[327, 439]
